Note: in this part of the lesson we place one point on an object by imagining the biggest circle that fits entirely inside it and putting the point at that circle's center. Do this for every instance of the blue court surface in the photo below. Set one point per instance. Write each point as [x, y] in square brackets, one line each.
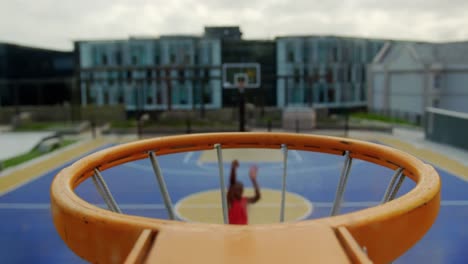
[28, 234]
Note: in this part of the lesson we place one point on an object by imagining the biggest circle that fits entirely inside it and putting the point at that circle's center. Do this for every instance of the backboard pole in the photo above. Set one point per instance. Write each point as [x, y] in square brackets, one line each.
[202, 99]
[241, 107]
[222, 184]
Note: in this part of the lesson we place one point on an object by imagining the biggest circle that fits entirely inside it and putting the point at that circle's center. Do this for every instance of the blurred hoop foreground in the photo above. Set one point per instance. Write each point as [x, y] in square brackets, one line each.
[377, 234]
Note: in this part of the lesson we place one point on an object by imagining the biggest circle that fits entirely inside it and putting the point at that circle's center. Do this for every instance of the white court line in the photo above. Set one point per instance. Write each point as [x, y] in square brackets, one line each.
[345, 204]
[188, 156]
[25, 206]
[260, 205]
[454, 203]
[297, 155]
[43, 206]
[200, 164]
[46, 206]
[149, 168]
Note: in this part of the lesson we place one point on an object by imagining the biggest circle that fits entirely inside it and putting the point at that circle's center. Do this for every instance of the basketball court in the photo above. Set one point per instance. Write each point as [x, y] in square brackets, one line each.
[28, 234]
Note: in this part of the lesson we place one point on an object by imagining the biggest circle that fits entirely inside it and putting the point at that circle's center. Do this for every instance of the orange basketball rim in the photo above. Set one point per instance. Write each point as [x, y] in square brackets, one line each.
[377, 234]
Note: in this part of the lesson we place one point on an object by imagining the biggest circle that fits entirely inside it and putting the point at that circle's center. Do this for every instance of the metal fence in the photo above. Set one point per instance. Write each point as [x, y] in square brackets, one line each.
[447, 127]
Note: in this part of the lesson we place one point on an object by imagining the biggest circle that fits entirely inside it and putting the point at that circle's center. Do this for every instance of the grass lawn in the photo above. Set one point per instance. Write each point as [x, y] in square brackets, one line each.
[381, 118]
[32, 155]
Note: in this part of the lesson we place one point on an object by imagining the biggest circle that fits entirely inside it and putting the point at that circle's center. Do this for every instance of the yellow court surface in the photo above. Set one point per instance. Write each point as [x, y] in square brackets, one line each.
[243, 155]
[205, 207]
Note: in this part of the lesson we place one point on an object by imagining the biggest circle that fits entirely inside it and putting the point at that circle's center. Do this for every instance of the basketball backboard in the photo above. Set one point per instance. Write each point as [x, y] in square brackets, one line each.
[245, 74]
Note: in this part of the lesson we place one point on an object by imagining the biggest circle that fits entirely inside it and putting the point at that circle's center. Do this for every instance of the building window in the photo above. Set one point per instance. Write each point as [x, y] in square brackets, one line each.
[158, 75]
[329, 75]
[134, 60]
[435, 103]
[149, 76]
[331, 94]
[104, 59]
[437, 81]
[156, 59]
[357, 54]
[306, 53]
[363, 73]
[321, 98]
[297, 75]
[363, 92]
[334, 54]
[322, 52]
[345, 52]
[290, 57]
[118, 57]
[172, 58]
[106, 98]
[181, 76]
[120, 77]
[207, 94]
[340, 75]
[350, 73]
[315, 74]
[187, 59]
[129, 76]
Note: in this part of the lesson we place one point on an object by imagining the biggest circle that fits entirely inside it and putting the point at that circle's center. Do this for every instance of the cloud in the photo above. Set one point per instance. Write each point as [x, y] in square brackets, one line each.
[55, 24]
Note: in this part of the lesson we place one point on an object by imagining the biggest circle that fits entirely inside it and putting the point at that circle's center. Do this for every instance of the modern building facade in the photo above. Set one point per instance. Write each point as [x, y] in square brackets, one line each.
[184, 72]
[34, 76]
[409, 77]
[170, 72]
[328, 72]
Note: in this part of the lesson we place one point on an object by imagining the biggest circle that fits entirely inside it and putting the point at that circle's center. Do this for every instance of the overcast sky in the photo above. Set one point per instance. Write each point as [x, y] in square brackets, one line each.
[56, 23]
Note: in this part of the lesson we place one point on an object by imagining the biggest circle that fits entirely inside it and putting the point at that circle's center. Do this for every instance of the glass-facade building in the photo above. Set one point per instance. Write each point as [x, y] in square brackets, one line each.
[325, 72]
[170, 72]
[34, 76]
[184, 72]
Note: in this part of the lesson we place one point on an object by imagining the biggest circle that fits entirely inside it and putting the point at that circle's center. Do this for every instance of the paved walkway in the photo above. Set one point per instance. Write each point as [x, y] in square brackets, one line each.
[18, 176]
[449, 158]
[16, 143]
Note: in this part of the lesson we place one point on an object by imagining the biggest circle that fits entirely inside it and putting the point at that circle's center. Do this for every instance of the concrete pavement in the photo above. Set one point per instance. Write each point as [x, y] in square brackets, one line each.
[449, 158]
[15, 143]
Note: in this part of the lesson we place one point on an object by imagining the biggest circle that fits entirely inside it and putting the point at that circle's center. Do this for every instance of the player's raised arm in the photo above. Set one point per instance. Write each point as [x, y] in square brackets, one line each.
[232, 178]
[253, 177]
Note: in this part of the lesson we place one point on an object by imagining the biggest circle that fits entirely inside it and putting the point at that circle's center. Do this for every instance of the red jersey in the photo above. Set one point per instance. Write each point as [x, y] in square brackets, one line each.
[238, 212]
